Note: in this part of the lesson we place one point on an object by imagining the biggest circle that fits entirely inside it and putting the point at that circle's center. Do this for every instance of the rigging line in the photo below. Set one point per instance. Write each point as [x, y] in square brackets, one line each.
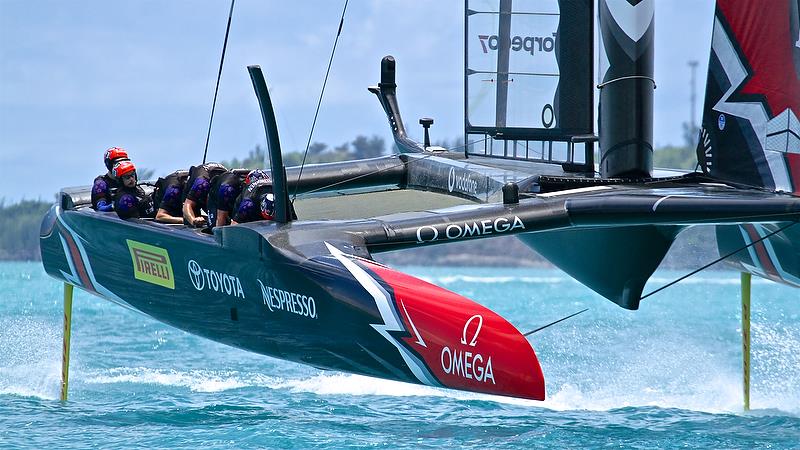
[553, 323]
[717, 260]
[219, 75]
[321, 93]
[381, 170]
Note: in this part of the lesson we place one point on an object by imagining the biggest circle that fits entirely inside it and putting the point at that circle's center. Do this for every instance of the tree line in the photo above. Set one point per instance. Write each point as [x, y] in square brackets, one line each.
[19, 229]
[361, 147]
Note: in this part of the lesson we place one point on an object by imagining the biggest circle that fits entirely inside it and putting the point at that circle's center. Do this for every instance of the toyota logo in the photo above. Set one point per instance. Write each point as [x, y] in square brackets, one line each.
[196, 275]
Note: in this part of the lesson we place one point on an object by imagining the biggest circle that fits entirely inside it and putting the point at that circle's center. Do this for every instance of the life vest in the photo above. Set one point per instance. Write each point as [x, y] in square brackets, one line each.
[199, 182]
[104, 187]
[248, 205]
[168, 193]
[222, 195]
[133, 202]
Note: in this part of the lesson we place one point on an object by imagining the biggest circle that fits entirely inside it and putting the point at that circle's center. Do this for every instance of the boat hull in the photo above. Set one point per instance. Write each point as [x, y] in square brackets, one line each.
[331, 311]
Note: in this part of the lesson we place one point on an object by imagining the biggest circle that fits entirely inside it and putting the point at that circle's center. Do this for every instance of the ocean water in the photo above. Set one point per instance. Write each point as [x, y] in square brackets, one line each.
[666, 376]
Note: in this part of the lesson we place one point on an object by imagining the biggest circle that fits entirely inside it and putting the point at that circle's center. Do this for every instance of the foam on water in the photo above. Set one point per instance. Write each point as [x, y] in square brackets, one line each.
[680, 370]
[776, 367]
[721, 394]
[30, 357]
[446, 280]
[348, 384]
[710, 390]
[194, 380]
[477, 279]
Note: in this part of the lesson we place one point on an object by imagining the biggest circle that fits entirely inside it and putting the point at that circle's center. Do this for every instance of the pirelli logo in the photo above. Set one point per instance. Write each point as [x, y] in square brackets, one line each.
[151, 264]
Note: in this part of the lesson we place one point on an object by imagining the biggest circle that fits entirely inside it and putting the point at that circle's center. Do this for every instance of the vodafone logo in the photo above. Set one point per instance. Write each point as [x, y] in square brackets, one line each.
[451, 179]
[461, 183]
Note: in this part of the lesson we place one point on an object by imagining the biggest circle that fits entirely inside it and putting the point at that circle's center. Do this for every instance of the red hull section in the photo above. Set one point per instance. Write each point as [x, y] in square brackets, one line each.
[464, 345]
[793, 162]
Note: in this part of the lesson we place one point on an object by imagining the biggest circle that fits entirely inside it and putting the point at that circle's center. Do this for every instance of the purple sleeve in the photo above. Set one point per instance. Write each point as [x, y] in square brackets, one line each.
[199, 190]
[127, 206]
[246, 211]
[172, 198]
[100, 192]
[227, 197]
[100, 188]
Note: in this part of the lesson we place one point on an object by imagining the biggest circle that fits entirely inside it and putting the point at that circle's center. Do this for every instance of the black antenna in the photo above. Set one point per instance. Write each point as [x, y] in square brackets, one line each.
[324, 83]
[280, 188]
[219, 75]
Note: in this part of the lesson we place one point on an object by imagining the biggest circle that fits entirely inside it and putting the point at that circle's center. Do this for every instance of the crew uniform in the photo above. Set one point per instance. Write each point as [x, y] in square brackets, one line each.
[225, 189]
[168, 196]
[105, 186]
[130, 200]
[256, 202]
[196, 190]
[224, 193]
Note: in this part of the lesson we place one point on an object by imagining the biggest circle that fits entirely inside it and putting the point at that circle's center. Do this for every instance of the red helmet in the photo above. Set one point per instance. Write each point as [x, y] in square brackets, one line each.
[113, 155]
[123, 168]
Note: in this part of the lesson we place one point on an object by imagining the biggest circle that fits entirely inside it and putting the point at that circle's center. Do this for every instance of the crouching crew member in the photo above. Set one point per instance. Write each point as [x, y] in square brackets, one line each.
[256, 202]
[130, 199]
[225, 190]
[104, 186]
[168, 197]
[196, 192]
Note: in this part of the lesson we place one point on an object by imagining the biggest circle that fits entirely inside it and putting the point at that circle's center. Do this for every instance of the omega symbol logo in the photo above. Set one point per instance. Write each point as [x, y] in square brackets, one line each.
[196, 275]
[474, 339]
[451, 179]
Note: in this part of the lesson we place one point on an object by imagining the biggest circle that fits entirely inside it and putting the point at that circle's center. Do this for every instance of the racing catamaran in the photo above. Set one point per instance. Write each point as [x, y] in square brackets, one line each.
[308, 290]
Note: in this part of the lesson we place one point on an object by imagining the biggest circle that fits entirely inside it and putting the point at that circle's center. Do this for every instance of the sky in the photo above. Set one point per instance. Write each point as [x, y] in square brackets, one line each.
[77, 77]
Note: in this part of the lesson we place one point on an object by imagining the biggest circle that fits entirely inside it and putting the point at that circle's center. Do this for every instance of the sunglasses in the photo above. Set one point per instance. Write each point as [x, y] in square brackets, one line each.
[129, 175]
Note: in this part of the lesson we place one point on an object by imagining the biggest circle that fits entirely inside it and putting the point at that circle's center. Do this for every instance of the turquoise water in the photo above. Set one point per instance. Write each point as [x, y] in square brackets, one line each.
[666, 376]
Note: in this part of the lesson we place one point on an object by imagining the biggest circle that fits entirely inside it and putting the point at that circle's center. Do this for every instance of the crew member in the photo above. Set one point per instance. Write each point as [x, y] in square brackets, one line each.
[225, 189]
[104, 186]
[130, 200]
[196, 192]
[167, 197]
[256, 202]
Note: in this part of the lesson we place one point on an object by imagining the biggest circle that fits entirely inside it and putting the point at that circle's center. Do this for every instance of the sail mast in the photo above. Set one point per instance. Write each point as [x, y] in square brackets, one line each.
[503, 62]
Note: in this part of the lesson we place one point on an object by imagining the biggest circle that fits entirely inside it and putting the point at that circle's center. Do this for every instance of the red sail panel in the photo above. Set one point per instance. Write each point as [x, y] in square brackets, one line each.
[764, 35]
[750, 119]
[793, 162]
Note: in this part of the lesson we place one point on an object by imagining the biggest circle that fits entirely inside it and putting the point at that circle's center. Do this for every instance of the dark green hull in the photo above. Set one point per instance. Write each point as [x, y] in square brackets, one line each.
[333, 312]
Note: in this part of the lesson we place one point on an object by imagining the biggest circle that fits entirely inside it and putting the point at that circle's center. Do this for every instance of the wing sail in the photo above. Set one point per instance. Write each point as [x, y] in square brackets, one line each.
[750, 132]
